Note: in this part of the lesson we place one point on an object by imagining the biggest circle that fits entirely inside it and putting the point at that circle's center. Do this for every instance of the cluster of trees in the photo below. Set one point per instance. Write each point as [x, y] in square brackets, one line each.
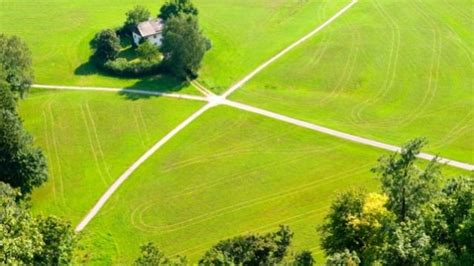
[183, 44]
[413, 221]
[24, 239]
[253, 249]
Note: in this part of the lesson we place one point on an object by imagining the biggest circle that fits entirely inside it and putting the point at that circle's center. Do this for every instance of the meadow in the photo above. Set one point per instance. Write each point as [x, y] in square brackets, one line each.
[228, 173]
[386, 70]
[243, 32]
[90, 139]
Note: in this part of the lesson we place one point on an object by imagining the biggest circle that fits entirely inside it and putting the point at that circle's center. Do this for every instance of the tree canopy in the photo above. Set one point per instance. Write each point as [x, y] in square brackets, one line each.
[107, 45]
[250, 249]
[134, 17]
[183, 46]
[28, 240]
[177, 7]
[152, 255]
[22, 165]
[415, 221]
[15, 64]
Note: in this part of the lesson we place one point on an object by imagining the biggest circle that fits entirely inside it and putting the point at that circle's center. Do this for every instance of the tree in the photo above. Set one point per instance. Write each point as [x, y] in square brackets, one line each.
[407, 244]
[304, 258]
[454, 220]
[183, 46]
[250, 249]
[107, 45]
[15, 64]
[148, 51]
[152, 255]
[176, 7]
[30, 241]
[59, 240]
[345, 258]
[20, 239]
[407, 186]
[21, 164]
[134, 17]
[337, 234]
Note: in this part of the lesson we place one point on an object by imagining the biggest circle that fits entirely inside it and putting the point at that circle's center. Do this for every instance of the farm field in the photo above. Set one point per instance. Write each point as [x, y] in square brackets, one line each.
[228, 173]
[386, 70]
[90, 139]
[239, 45]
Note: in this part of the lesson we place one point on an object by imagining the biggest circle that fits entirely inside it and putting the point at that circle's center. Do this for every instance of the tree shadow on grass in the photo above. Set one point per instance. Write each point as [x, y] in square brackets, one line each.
[164, 83]
[160, 83]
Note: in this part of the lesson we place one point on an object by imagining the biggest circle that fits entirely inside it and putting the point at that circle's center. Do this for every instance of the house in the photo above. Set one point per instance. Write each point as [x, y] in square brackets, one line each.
[150, 30]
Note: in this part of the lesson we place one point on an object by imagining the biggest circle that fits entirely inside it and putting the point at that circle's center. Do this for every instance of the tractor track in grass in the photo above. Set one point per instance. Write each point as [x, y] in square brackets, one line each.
[215, 100]
[212, 101]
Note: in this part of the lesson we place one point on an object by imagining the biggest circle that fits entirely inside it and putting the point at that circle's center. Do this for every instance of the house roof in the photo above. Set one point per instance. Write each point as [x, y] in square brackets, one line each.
[150, 27]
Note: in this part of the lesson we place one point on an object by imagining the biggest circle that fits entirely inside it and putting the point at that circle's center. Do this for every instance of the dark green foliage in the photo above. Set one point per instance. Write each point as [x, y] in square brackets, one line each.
[407, 186]
[152, 255]
[21, 164]
[20, 239]
[148, 51]
[124, 68]
[421, 223]
[176, 7]
[183, 46]
[59, 240]
[304, 258]
[345, 258]
[454, 220]
[250, 249]
[26, 240]
[134, 17]
[407, 244]
[107, 45]
[337, 234]
[15, 64]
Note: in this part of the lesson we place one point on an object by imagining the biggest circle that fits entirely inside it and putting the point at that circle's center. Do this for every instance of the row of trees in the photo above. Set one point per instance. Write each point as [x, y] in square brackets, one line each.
[24, 239]
[183, 44]
[413, 221]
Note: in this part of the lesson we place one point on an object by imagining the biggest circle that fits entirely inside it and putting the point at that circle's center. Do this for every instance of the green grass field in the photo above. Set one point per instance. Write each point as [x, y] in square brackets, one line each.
[228, 173]
[243, 32]
[90, 139]
[386, 70]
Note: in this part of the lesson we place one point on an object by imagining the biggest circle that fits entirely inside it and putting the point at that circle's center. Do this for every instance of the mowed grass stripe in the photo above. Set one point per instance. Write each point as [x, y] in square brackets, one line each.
[89, 139]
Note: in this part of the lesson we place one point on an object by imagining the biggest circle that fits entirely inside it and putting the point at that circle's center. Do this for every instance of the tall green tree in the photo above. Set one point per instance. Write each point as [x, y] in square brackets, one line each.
[250, 249]
[15, 64]
[25, 240]
[177, 7]
[152, 255]
[407, 186]
[20, 239]
[22, 165]
[134, 17]
[183, 46]
[59, 241]
[107, 45]
[148, 51]
[454, 221]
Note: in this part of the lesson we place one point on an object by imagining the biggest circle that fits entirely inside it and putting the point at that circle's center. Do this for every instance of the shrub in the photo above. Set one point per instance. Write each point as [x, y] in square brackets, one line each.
[124, 68]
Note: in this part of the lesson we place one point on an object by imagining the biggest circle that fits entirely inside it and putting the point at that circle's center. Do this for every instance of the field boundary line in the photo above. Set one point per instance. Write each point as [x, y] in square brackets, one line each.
[240, 83]
[343, 135]
[118, 90]
[110, 191]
